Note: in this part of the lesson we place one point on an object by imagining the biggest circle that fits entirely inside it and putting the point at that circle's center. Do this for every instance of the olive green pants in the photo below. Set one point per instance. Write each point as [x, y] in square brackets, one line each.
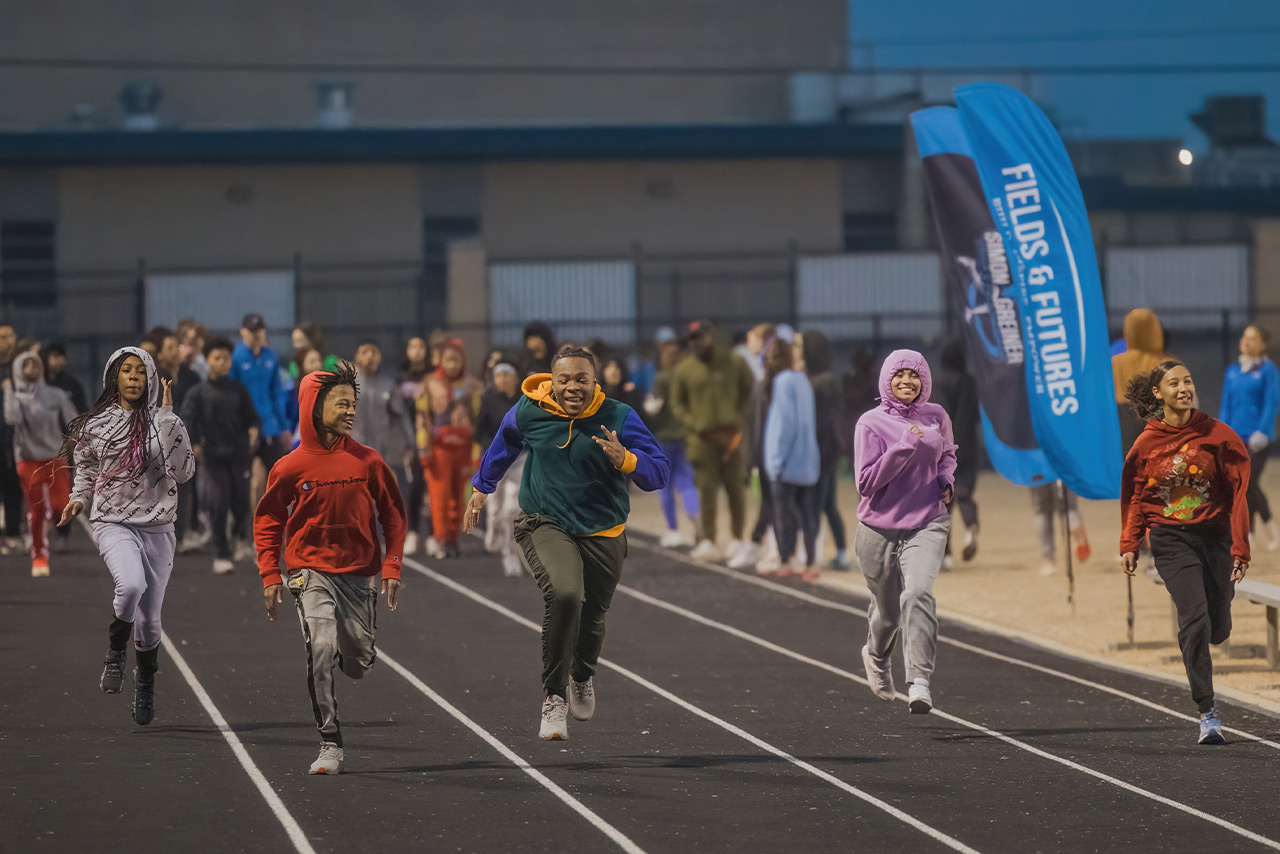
[577, 576]
[711, 473]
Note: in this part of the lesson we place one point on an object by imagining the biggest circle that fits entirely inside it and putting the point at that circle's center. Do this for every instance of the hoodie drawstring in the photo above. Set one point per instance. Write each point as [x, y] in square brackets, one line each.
[570, 439]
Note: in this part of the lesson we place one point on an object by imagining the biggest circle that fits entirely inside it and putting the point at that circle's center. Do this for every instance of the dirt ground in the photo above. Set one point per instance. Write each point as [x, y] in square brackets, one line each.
[1003, 590]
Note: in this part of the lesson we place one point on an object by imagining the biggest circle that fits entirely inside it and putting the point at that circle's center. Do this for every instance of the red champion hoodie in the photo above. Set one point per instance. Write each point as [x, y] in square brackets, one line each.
[1196, 474]
[325, 505]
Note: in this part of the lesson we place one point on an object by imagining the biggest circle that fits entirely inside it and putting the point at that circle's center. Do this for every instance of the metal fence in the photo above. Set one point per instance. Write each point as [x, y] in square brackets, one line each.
[863, 300]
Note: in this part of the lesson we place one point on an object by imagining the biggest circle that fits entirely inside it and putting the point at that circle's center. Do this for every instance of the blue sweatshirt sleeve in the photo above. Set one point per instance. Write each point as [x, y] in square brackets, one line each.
[500, 454]
[781, 427]
[651, 468]
[1270, 400]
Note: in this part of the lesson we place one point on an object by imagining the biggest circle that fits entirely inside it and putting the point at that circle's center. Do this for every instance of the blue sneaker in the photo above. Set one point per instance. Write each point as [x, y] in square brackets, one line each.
[1211, 729]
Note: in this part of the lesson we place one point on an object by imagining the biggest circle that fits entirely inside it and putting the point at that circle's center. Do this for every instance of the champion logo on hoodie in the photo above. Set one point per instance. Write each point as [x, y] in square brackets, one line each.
[307, 486]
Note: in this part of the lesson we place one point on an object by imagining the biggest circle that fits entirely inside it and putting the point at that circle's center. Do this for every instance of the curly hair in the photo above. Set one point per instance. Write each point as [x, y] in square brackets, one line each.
[1137, 391]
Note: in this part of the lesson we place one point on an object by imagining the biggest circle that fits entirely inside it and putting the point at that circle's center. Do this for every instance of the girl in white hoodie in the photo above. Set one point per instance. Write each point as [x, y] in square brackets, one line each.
[131, 452]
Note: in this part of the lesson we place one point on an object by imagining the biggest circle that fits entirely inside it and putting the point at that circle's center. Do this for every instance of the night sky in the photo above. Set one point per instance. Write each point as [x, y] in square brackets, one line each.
[1087, 32]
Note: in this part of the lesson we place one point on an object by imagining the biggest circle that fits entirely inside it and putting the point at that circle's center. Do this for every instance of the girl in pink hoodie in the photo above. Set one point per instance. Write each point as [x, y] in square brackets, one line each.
[905, 462]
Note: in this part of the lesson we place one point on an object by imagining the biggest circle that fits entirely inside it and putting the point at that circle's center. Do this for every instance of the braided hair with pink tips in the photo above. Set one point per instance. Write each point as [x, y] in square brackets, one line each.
[130, 445]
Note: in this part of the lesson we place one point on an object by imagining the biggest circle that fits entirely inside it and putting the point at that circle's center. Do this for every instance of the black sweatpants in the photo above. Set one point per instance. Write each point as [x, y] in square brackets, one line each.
[225, 483]
[1195, 564]
[1258, 503]
[796, 513]
[766, 518]
[827, 502]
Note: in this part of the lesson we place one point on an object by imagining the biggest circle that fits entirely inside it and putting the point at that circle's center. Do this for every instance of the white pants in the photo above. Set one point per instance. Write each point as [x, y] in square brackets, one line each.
[140, 561]
[504, 507]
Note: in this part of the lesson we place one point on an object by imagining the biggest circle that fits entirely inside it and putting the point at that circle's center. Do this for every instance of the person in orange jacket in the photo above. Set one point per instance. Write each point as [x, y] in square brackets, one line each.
[447, 465]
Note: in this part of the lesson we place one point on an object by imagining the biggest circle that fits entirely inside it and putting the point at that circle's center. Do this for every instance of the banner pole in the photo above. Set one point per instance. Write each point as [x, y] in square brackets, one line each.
[1066, 529]
[1129, 580]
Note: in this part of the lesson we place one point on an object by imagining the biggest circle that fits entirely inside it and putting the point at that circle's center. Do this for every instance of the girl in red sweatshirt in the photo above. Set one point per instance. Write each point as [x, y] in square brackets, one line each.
[1183, 486]
[324, 504]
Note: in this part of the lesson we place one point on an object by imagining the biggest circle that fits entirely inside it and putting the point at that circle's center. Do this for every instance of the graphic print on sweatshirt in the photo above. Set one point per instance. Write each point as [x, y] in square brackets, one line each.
[1186, 483]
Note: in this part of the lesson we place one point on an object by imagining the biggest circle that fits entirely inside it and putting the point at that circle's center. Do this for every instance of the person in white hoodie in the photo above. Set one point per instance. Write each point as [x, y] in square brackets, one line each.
[39, 413]
[131, 452]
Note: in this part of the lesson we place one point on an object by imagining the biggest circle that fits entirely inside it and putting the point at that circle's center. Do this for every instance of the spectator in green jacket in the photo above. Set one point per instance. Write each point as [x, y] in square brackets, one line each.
[710, 396]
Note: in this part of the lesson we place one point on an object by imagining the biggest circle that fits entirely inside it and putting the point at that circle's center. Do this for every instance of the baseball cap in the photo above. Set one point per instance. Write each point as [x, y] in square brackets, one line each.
[253, 322]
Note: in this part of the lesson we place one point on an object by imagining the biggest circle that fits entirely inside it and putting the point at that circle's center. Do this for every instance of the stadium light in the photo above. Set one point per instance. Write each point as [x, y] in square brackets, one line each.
[1185, 157]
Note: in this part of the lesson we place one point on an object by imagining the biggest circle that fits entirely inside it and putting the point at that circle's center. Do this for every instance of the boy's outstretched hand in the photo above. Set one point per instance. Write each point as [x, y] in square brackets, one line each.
[612, 447]
[471, 517]
[391, 589]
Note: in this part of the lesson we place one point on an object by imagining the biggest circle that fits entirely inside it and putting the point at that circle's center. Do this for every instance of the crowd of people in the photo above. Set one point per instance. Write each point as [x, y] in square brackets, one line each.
[196, 439]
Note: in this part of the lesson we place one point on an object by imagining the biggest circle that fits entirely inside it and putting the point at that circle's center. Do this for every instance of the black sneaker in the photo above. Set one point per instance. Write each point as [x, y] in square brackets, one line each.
[113, 672]
[144, 697]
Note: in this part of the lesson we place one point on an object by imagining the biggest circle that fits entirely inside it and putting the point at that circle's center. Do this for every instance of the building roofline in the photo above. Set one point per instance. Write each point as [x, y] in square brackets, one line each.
[370, 145]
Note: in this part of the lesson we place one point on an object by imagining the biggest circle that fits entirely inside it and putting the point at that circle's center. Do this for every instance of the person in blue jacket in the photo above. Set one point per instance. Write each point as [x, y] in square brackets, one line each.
[791, 459]
[257, 366]
[1250, 403]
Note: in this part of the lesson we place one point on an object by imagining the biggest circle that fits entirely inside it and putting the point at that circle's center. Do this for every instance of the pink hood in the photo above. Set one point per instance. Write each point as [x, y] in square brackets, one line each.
[904, 360]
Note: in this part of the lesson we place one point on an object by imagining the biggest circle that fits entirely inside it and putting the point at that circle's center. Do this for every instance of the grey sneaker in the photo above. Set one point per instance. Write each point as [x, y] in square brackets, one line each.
[1211, 729]
[919, 700]
[144, 697]
[329, 761]
[582, 700]
[113, 671]
[879, 676]
[555, 719]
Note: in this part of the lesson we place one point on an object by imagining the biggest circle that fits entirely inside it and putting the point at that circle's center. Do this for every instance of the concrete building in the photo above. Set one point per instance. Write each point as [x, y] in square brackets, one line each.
[360, 148]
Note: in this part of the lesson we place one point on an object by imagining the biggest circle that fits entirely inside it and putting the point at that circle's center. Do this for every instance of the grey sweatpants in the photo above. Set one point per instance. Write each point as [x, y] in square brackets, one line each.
[339, 616]
[900, 567]
[140, 561]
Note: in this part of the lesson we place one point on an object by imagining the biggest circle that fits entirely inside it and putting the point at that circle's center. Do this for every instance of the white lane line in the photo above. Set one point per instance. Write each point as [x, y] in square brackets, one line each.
[968, 647]
[511, 756]
[291, 827]
[1022, 745]
[905, 818]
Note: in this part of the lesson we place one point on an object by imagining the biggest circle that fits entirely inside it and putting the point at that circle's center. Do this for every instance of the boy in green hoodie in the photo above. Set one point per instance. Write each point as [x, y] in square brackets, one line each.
[583, 450]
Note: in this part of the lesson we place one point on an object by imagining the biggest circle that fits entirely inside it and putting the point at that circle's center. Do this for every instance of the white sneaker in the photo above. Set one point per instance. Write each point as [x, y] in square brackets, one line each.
[582, 700]
[879, 678]
[411, 543]
[222, 566]
[671, 540]
[511, 566]
[735, 546]
[947, 563]
[919, 700]
[193, 541]
[555, 719]
[329, 761]
[769, 565]
[1048, 568]
[706, 550]
[245, 551]
[435, 549]
[748, 555]
[1273, 535]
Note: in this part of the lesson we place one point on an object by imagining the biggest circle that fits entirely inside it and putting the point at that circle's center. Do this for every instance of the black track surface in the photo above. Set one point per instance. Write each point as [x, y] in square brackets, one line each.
[78, 775]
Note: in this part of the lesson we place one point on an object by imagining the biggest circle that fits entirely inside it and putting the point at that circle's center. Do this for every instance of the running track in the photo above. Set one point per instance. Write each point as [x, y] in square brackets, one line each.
[732, 717]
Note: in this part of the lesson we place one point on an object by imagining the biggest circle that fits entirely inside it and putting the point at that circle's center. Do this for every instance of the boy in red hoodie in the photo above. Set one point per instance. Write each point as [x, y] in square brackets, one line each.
[1183, 488]
[320, 505]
